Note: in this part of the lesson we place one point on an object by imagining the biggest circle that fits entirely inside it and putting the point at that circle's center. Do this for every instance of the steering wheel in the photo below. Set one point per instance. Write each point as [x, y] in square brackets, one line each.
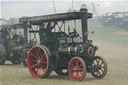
[74, 33]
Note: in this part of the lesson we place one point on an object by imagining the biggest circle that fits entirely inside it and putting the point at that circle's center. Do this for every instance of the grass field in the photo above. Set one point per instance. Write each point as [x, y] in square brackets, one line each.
[113, 46]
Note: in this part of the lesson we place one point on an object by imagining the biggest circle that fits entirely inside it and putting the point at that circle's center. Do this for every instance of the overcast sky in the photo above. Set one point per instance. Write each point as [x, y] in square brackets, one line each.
[19, 8]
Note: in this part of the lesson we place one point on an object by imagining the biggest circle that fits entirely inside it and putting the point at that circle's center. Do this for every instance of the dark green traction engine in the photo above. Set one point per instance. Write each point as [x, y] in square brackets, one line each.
[68, 54]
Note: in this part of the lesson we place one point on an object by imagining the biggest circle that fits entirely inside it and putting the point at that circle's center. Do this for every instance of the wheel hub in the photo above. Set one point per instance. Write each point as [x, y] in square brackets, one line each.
[77, 68]
[99, 67]
[39, 61]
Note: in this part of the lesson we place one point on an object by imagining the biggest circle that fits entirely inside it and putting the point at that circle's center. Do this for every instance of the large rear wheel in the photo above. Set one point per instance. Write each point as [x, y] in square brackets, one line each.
[39, 62]
[77, 69]
[99, 67]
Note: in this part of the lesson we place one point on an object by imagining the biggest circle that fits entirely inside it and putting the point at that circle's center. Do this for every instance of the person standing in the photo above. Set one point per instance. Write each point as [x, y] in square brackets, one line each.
[5, 36]
[45, 33]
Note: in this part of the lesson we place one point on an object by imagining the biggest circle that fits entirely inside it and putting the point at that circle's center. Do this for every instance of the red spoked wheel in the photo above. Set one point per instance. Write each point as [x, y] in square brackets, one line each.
[99, 67]
[39, 62]
[62, 72]
[77, 69]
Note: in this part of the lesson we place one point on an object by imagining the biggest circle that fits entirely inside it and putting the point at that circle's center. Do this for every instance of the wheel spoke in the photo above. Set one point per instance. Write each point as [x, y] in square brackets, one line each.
[81, 65]
[77, 63]
[73, 65]
[42, 56]
[102, 70]
[44, 66]
[43, 69]
[77, 74]
[101, 63]
[44, 62]
[102, 67]
[99, 73]
[81, 69]
[81, 72]
[72, 69]
[33, 55]
[39, 52]
[37, 68]
[98, 61]
[34, 65]
[34, 60]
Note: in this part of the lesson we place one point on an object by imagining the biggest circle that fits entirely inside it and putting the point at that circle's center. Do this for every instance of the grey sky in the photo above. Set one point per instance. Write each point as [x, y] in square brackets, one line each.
[19, 8]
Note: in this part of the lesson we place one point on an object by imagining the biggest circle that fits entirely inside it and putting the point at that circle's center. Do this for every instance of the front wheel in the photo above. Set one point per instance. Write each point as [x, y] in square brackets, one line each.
[77, 69]
[99, 67]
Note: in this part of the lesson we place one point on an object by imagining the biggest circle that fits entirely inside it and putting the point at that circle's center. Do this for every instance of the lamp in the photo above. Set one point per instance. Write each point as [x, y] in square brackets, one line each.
[83, 8]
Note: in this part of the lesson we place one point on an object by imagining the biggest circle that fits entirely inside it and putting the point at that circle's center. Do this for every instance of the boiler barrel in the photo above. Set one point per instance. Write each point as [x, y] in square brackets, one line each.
[69, 49]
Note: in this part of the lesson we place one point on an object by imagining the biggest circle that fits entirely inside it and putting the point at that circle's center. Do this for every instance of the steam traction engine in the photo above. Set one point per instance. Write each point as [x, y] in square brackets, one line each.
[12, 43]
[66, 53]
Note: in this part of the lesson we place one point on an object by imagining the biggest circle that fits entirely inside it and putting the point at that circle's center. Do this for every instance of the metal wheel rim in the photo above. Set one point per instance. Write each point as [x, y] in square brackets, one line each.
[101, 66]
[76, 69]
[38, 64]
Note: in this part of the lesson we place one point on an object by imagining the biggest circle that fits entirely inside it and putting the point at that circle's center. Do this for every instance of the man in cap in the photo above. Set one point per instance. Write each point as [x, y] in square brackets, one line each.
[45, 33]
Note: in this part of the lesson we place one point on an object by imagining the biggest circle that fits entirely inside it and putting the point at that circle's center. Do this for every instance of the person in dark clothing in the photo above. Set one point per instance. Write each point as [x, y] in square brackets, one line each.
[45, 33]
[49, 27]
[5, 36]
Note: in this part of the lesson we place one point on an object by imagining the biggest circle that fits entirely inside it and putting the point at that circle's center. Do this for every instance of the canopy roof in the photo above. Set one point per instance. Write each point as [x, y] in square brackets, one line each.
[14, 26]
[55, 17]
